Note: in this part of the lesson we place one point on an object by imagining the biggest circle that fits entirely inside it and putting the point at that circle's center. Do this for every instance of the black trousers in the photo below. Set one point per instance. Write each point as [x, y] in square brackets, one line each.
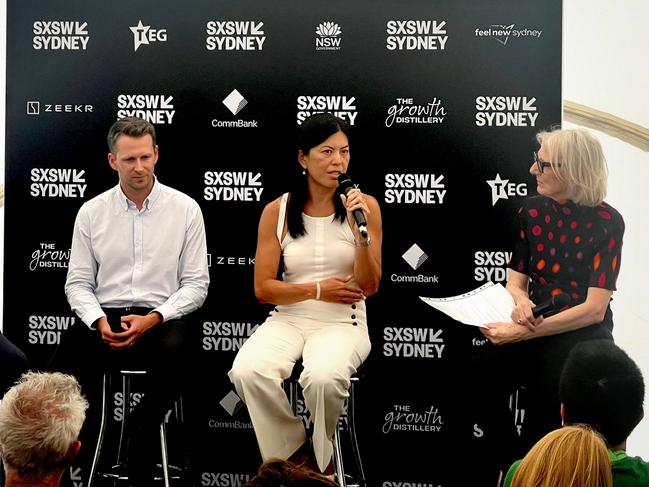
[498, 431]
[164, 352]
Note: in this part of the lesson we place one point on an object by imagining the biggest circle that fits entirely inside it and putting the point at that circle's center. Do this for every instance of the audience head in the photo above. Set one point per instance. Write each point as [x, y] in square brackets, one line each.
[40, 420]
[132, 127]
[603, 387]
[280, 473]
[568, 456]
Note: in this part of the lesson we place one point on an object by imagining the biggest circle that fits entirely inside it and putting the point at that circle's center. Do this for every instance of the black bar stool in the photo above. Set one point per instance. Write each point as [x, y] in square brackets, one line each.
[117, 471]
[345, 480]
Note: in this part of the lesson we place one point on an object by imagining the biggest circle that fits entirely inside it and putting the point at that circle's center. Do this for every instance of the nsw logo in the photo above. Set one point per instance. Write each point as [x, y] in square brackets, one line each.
[328, 37]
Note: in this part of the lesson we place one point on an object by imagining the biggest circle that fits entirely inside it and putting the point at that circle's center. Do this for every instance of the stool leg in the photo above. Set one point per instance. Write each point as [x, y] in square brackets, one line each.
[351, 424]
[126, 399]
[163, 451]
[102, 431]
[338, 458]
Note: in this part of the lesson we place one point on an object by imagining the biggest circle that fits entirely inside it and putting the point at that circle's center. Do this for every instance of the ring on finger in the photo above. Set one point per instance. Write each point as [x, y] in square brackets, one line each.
[519, 321]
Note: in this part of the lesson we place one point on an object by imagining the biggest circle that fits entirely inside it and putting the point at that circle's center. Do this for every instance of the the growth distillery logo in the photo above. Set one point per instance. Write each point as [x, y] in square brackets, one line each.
[60, 35]
[243, 186]
[223, 479]
[502, 189]
[406, 111]
[57, 183]
[35, 107]
[226, 336]
[46, 256]
[404, 417]
[414, 189]
[415, 257]
[145, 35]
[234, 102]
[342, 106]
[416, 35]
[503, 32]
[505, 111]
[328, 37]
[157, 109]
[235, 35]
[46, 329]
[412, 342]
[491, 265]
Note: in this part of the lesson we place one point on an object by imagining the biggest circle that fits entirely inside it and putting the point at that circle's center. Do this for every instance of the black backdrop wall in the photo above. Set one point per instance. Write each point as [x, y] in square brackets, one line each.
[444, 97]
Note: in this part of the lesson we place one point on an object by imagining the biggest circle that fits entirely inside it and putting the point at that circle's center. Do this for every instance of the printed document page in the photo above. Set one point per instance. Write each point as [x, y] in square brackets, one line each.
[487, 304]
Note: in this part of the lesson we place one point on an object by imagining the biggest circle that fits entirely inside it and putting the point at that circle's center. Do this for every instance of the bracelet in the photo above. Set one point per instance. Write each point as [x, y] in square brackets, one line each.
[317, 290]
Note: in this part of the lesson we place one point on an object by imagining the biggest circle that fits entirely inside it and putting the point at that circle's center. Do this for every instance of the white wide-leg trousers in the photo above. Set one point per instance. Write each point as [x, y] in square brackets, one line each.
[330, 353]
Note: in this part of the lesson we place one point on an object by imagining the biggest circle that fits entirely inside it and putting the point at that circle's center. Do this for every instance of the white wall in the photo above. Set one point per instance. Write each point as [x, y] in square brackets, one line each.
[605, 66]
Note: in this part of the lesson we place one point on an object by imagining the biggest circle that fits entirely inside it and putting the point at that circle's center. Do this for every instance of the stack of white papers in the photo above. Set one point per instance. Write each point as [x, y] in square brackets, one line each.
[490, 303]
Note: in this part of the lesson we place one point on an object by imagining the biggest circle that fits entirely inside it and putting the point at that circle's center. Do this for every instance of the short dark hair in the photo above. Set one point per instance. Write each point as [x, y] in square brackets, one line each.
[281, 473]
[602, 386]
[131, 126]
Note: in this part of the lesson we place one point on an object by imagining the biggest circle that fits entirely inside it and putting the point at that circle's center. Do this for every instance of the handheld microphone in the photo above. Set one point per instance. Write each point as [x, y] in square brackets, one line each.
[346, 185]
[555, 303]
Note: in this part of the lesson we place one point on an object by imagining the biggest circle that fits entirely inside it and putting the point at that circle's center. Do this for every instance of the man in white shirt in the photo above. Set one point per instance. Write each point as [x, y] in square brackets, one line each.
[138, 267]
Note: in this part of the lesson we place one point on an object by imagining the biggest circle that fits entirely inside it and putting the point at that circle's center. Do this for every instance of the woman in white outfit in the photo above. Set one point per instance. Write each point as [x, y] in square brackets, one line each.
[329, 270]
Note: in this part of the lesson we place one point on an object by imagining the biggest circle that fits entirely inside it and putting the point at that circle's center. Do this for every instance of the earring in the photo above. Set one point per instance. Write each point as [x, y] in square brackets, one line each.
[303, 172]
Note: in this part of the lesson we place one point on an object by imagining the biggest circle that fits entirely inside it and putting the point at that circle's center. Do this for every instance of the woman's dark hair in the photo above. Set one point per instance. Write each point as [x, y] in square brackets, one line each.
[280, 473]
[314, 131]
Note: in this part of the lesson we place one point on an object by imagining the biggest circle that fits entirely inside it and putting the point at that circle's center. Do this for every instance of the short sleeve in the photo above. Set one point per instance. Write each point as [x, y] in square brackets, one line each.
[608, 253]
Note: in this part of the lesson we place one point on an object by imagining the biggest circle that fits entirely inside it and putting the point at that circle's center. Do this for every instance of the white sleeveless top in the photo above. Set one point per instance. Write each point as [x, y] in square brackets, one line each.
[326, 250]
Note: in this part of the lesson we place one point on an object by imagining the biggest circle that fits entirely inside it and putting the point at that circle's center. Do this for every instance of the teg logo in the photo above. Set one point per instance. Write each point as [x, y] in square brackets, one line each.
[503, 189]
[403, 341]
[232, 186]
[341, 106]
[144, 34]
[420, 189]
[490, 265]
[225, 336]
[57, 35]
[328, 39]
[416, 35]
[46, 330]
[235, 35]
[157, 109]
[505, 111]
[214, 479]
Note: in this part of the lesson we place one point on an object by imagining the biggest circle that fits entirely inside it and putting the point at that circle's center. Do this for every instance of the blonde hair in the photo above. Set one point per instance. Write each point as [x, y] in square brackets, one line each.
[40, 417]
[583, 165]
[571, 456]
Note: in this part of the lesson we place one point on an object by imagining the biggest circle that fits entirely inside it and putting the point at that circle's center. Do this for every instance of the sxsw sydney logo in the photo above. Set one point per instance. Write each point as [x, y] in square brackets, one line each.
[328, 37]
[502, 32]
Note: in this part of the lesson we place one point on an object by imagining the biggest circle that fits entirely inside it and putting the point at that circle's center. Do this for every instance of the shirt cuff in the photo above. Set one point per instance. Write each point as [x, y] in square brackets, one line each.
[91, 316]
[167, 312]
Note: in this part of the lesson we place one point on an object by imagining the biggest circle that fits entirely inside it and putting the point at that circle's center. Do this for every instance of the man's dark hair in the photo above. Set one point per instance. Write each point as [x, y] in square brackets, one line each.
[281, 473]
[131, 126]
[602, 386]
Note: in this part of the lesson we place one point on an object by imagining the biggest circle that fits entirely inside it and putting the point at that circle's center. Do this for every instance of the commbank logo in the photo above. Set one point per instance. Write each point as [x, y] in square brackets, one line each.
[503, 189]
[415, 257]
[235, 35]
[328, 37]
[144, 34]
[505, 111]
[235, 102]
[343, 107]
[231, 402]
[501, 32]
[405, 111]
[416, 35]
[59, 35]
[157, 109]
[424, 189]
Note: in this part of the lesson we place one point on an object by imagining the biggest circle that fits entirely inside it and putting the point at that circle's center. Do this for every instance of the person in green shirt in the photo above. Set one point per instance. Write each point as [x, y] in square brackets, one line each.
[603, 387]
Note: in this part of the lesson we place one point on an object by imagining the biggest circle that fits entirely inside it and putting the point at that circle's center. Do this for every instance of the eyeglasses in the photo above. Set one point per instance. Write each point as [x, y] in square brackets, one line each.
[541, 164]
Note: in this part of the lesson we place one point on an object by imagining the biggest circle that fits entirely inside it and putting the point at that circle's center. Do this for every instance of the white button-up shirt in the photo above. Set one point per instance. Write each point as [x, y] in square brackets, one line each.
[155, 257]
